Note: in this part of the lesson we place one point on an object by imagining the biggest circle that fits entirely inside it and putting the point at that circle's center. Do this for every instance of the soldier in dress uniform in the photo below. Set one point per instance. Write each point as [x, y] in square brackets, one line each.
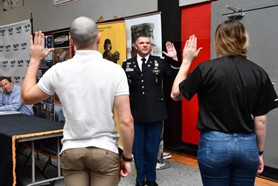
[145, 74]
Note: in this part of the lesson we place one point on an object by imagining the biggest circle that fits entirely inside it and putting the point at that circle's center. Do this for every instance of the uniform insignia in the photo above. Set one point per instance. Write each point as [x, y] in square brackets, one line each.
[156, 64]
[155, 70]
[129, 69]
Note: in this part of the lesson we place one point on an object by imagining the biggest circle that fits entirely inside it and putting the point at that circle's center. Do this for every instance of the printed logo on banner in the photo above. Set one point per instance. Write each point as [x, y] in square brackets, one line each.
[20, 63]
[18, 29]
[10, 31]
[2, 32]
[15, 47]
[4, 63]
[12, 62]
[61, 39]
[23, 46]
[8, 47]
[27, 27]
[14, 41]
[17, 79]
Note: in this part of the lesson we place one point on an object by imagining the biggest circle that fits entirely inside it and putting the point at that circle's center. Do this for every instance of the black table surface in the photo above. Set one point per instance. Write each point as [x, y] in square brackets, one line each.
[14, 125]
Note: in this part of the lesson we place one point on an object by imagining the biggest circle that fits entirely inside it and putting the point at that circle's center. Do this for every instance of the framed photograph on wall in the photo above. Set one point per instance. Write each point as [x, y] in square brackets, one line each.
[10, 4]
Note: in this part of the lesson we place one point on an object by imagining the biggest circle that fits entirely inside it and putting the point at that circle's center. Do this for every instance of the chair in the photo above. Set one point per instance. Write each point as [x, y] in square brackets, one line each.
[46, 147]
[35, 109]
[42, 114]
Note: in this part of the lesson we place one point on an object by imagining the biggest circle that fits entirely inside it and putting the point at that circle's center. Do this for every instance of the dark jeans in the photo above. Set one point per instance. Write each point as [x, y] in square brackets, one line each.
[228, 159]
[145, 149]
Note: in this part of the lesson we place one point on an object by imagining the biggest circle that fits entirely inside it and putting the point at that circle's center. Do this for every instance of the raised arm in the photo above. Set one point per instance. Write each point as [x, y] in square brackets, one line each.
[30, 92]
[190, 52]
[170, 51]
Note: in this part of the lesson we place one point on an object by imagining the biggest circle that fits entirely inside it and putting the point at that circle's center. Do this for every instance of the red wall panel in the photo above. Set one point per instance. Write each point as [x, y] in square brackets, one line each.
[196, 19]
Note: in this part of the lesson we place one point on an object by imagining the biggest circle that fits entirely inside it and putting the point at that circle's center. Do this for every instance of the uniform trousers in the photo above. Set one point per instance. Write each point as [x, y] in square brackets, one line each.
[145, 149]
[90, 167]
[228, 159]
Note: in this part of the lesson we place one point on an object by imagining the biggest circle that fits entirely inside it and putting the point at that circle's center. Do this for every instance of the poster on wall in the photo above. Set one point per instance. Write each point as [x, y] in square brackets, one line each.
[14, 50]
[10, 4]
[48, 60]
[149, 25]
[62, 51]
[61, 45]
[113, 45]
[61, 2]
[190, 2]
[113, 41]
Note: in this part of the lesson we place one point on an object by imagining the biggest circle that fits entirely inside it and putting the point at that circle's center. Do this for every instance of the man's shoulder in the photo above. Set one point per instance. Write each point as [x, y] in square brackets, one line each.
[129, 60]
[155, 57]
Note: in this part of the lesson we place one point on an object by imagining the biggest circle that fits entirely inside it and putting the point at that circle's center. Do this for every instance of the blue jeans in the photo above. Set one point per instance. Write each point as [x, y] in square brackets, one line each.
[145, 149]
[228, 159]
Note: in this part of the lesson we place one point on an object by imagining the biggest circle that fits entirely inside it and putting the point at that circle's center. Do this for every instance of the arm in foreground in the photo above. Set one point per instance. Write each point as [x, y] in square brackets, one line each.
[190, 52]
[30, 92]
[260, 130]
[126, 131]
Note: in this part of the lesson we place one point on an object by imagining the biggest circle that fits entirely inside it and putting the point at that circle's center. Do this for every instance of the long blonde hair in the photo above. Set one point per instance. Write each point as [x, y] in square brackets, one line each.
[231, 39]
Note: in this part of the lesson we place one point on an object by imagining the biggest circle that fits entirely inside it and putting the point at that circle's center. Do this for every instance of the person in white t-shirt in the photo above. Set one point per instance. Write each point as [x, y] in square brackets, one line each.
[88, 87]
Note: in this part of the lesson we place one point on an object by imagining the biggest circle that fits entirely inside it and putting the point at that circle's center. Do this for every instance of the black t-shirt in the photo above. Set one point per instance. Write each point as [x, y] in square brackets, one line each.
[231, 90]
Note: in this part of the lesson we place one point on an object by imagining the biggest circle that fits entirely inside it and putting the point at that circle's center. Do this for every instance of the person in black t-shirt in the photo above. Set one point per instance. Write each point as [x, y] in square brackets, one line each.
[234, 96]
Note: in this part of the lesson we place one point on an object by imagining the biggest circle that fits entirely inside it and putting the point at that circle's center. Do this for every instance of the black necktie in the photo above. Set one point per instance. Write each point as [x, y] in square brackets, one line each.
[144, 64]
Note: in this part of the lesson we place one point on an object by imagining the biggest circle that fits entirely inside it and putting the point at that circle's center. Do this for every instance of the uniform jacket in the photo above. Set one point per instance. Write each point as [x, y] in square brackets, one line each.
[146, 93]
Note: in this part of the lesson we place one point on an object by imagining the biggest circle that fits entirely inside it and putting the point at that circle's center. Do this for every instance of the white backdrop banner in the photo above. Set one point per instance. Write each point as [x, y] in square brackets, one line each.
[14, 50]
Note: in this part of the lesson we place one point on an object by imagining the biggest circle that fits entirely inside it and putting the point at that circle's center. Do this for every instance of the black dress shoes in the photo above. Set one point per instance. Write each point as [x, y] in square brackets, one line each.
[151, 183]
[140, 184]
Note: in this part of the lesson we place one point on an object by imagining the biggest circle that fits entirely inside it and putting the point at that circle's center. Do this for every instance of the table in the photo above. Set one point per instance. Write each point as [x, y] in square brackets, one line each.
[9, 112]
[21, 128]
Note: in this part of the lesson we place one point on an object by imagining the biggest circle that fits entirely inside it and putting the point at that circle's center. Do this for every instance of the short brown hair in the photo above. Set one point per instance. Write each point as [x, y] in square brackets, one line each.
[9, 79]
[231, 39]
